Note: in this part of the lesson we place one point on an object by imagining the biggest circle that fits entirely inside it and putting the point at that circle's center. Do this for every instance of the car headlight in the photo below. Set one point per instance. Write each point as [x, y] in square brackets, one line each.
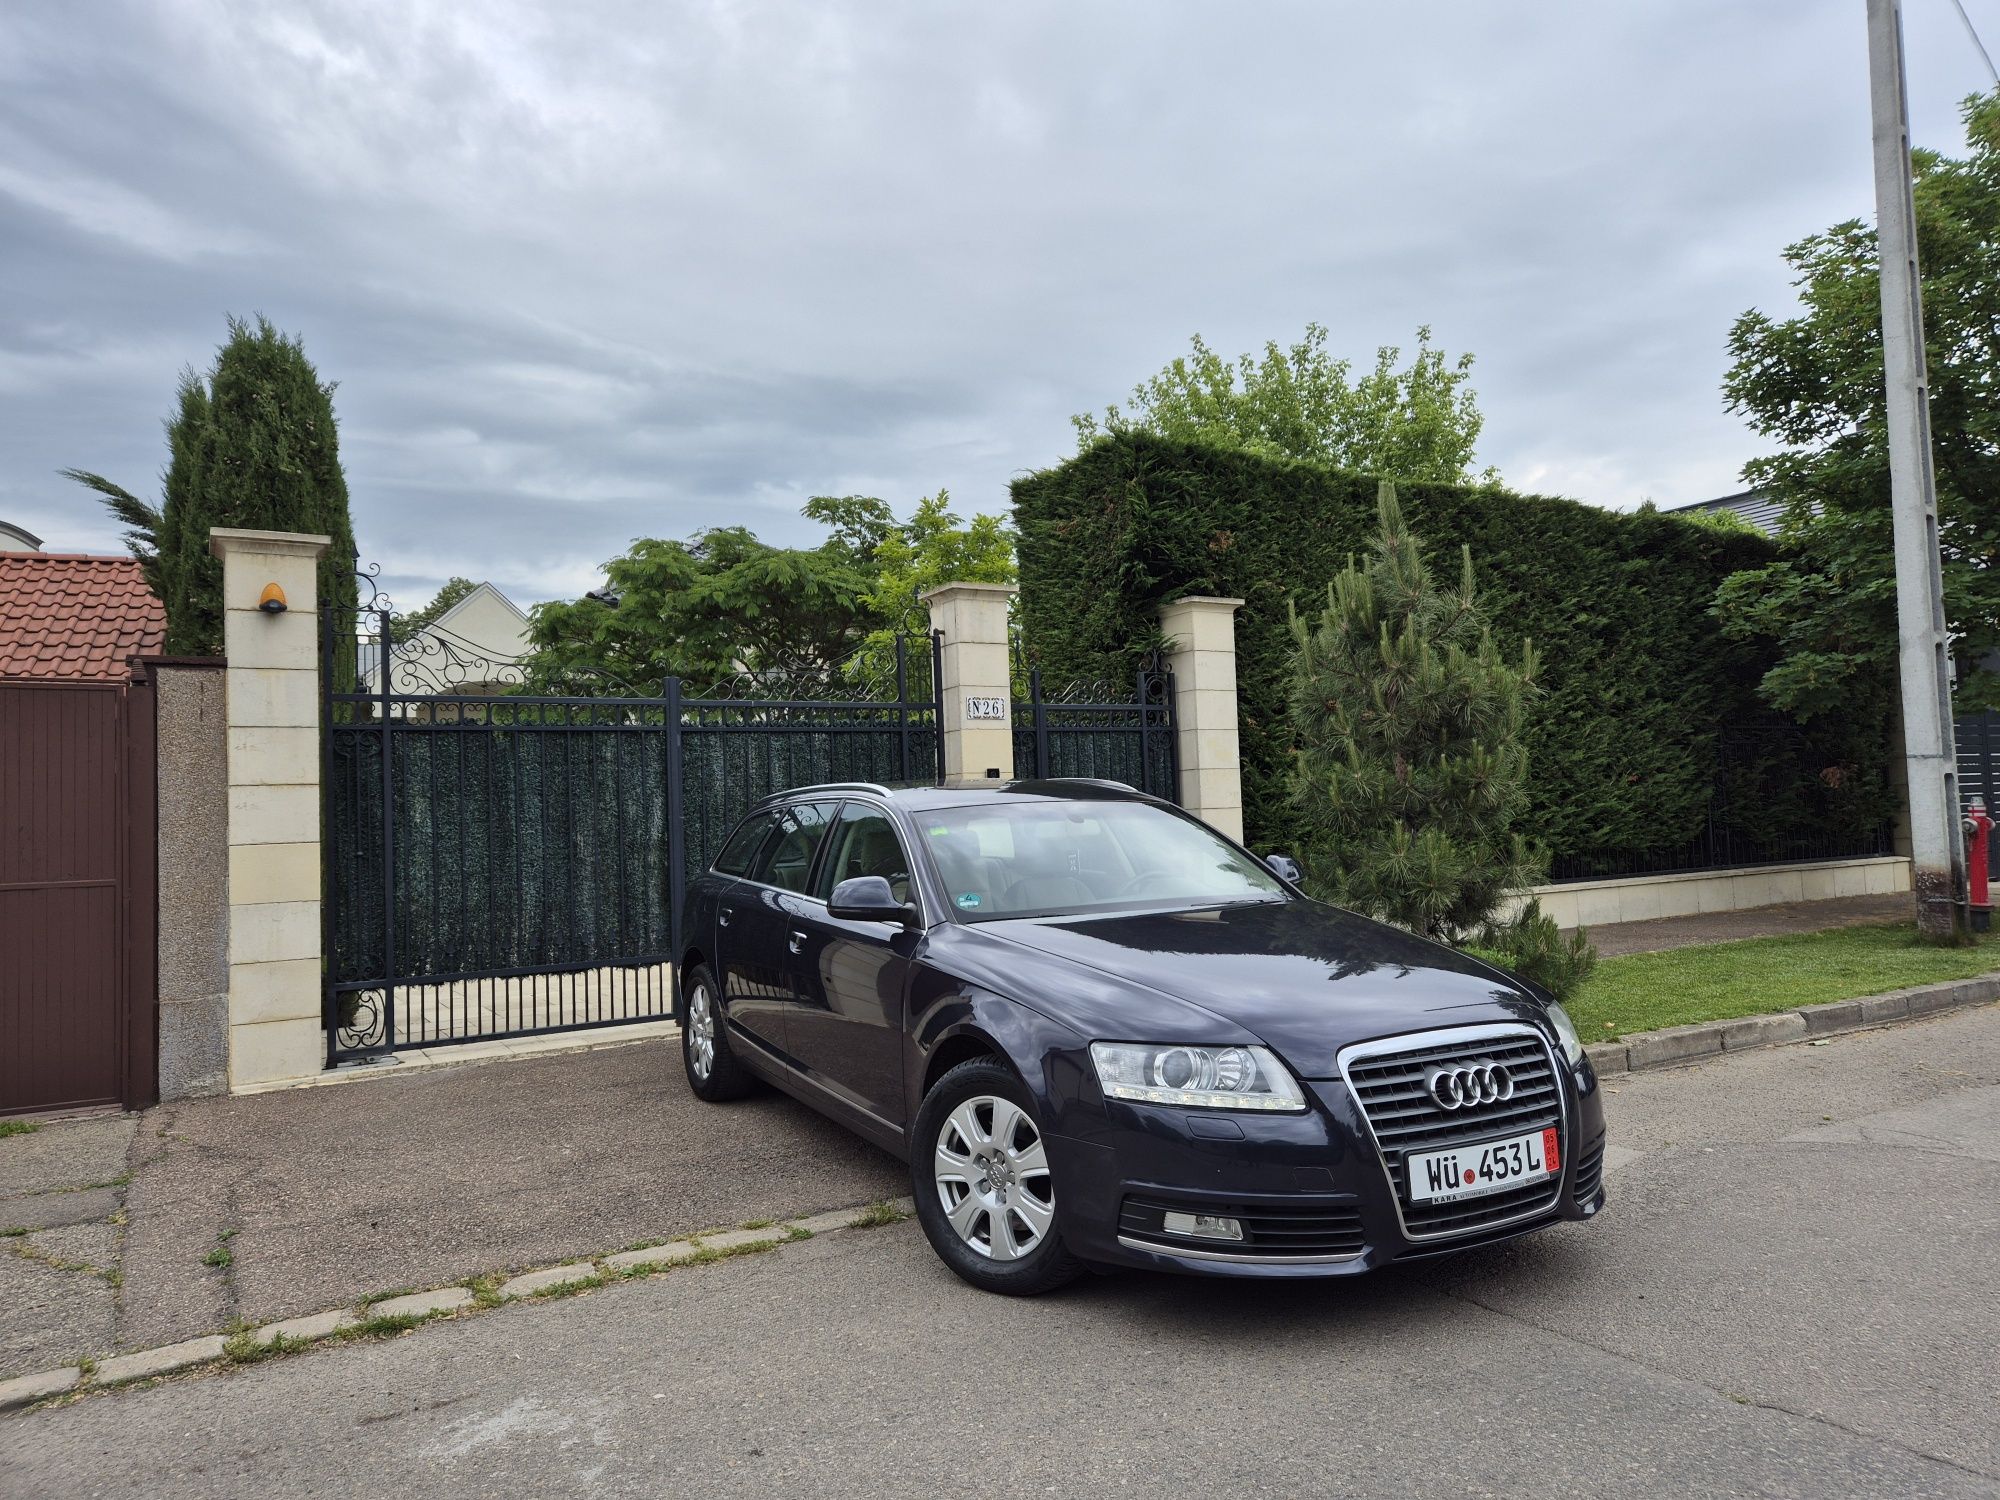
[1572, 1044]
[1195, 1077]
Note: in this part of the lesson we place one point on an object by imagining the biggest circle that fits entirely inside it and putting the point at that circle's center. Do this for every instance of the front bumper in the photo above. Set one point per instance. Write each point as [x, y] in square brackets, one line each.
[1312, 1188]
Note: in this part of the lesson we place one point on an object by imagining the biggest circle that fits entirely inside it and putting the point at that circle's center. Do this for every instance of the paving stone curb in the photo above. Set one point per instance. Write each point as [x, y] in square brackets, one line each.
[439, 1302]
[531, 1282]
[1675, 1045]
[162, 1361]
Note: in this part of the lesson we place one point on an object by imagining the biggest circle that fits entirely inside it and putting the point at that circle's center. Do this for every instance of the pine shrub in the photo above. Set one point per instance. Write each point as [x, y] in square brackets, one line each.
[1410, 779]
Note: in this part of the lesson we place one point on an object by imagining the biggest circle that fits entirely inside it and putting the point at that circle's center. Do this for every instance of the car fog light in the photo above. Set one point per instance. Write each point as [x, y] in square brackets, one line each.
[1202, 1226]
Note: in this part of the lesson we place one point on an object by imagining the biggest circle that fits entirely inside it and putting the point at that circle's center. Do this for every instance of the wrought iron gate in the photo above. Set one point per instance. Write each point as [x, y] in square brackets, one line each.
[503, 863]
[731, 746]
[1081, 730]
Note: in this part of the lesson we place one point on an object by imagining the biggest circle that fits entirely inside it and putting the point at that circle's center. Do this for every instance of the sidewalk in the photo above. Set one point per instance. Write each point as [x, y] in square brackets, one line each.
[1615, 938]
[142, 1230]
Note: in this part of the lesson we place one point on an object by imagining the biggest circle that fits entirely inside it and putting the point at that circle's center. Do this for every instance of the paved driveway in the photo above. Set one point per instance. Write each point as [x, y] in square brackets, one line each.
[1793, 1294]
[323, 1195]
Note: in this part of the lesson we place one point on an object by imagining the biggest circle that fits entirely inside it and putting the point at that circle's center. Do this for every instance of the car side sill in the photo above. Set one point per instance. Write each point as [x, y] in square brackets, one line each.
[788, 1079]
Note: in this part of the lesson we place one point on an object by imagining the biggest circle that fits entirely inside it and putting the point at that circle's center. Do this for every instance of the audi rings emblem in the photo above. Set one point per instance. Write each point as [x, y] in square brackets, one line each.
[1469, 1084]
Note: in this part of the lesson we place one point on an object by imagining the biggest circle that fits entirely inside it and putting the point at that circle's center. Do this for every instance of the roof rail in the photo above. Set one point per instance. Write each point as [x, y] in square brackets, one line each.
[830, 786]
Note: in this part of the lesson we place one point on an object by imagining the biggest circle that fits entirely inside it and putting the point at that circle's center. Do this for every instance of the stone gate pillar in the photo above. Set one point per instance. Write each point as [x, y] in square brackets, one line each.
[975, 686]
[272, 704]
[1203, 658]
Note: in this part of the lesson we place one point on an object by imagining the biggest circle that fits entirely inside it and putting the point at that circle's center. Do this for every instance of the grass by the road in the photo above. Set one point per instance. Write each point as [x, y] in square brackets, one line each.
[1717, 981]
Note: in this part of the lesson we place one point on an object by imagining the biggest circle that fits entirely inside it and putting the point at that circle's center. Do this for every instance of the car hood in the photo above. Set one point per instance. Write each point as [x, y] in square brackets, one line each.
[1304, 977]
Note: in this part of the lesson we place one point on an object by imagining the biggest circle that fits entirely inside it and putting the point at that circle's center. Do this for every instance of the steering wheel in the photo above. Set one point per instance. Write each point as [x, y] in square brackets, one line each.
[1150, 883]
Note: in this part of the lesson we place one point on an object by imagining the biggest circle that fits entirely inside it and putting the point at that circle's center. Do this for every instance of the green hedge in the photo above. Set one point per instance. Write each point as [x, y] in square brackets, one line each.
[1648, 735]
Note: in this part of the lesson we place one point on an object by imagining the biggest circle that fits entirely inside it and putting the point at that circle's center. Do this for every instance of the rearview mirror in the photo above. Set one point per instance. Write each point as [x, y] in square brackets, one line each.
[867, 898]
[1284, 867]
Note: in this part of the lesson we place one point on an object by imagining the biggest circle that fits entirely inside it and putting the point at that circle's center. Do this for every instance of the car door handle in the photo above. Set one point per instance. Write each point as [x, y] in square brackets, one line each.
[798, 940]
[722, 917]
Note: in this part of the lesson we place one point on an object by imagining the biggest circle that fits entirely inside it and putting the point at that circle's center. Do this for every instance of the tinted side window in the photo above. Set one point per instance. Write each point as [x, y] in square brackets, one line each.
[865, 844]
[786, 858]
[735, 856]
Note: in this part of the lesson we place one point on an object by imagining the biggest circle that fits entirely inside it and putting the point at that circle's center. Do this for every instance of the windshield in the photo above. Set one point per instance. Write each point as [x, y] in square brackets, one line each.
[1019, 859]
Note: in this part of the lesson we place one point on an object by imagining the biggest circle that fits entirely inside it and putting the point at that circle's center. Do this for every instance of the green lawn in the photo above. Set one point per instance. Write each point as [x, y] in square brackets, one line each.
[1712, 982]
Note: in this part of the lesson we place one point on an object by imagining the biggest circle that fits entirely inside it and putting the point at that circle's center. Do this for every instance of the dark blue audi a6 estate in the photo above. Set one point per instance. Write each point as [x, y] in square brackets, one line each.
[1104, 1035]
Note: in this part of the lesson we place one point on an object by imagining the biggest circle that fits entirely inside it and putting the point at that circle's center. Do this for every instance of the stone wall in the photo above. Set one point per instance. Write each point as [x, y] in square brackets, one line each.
[1643, 898]
[193, 879]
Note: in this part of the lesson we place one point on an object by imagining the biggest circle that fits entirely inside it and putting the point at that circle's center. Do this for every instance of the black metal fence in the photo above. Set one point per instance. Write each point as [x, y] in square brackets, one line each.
[500, 863]
[1080, 730]
[1771, 801]
[1978, 739]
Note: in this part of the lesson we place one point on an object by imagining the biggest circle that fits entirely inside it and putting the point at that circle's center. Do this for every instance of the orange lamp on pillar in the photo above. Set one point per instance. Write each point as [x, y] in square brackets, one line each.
[272, 600]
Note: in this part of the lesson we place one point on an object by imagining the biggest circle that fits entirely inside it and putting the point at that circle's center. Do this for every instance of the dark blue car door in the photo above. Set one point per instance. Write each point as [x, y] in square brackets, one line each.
[851, 978]
[754, 913]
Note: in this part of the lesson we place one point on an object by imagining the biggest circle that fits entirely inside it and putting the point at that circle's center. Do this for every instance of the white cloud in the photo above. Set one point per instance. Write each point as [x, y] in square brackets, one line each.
[589, 271]
[110, 210]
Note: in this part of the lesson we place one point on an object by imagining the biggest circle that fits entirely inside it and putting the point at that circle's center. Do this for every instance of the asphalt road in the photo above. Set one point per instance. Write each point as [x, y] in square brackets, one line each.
[1793, 1294]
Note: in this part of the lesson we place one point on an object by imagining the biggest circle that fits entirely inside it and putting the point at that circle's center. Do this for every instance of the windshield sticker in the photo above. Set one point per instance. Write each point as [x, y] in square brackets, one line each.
[968, 899]
[937, 830]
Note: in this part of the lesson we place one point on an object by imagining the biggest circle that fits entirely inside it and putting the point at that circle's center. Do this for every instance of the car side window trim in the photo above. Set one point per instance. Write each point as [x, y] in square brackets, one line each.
[820, 854]
[896, 831]
[749, 858]
[776, 812]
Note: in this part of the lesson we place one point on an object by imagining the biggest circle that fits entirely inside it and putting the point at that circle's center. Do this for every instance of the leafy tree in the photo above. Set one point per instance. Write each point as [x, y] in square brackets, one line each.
[704, 609]
[858, 524]
[1813, 382]
[417, 620]
[1411, 777]
[1417, 423]
[934, 547]
[253, 444]
[723, 601]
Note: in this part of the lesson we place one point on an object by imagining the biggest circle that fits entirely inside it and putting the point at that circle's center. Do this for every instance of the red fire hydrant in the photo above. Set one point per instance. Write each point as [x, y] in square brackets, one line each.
[1978, 828]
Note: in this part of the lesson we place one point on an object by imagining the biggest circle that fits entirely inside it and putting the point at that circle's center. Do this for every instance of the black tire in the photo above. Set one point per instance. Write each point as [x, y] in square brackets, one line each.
[723, 1077]
[1047, 1263]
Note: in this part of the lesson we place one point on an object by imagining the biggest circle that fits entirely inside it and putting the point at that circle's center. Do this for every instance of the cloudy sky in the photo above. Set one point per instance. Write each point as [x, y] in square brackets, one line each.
[589, 271]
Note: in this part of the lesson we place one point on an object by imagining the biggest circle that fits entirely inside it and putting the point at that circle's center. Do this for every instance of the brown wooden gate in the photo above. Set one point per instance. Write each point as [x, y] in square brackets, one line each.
[77, 910]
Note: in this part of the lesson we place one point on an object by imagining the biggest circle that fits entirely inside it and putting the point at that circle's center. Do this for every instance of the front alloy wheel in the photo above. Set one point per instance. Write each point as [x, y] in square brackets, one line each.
[986, 1196]
[993, 1177]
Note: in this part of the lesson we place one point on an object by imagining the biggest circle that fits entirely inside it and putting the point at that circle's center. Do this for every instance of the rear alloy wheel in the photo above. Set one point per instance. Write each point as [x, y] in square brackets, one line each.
[712, 1069]
[986, 1196]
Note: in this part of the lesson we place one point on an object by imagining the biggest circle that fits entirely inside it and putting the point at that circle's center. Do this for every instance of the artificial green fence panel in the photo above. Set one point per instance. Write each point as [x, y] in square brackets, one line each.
[532, 840]
[535, 835]
[1649, 747]
[732, 754]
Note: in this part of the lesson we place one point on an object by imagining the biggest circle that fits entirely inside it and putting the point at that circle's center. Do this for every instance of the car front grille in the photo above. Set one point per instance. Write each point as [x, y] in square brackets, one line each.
[1317, 1231]
[1590, 1171]
[1388, 1082]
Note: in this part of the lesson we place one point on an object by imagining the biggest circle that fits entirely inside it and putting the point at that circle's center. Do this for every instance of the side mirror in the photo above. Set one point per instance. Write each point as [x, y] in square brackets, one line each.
[1284, 867]
[867, 898]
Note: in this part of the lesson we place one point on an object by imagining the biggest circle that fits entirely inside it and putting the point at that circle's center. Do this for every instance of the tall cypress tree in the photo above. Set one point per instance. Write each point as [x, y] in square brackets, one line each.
[1411, 775]
[255, 444]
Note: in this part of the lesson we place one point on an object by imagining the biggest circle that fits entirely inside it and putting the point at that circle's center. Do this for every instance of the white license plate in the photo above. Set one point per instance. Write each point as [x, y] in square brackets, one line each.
[1484, 1167]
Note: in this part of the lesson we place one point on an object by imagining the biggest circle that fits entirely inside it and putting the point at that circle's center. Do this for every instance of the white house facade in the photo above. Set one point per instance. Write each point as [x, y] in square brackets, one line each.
[475, 647]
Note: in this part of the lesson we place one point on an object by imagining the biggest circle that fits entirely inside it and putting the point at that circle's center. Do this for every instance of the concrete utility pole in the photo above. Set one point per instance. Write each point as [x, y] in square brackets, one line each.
[1939, 856]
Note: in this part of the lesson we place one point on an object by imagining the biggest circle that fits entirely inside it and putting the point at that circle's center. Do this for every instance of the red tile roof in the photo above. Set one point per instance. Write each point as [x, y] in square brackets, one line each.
[64, 615]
